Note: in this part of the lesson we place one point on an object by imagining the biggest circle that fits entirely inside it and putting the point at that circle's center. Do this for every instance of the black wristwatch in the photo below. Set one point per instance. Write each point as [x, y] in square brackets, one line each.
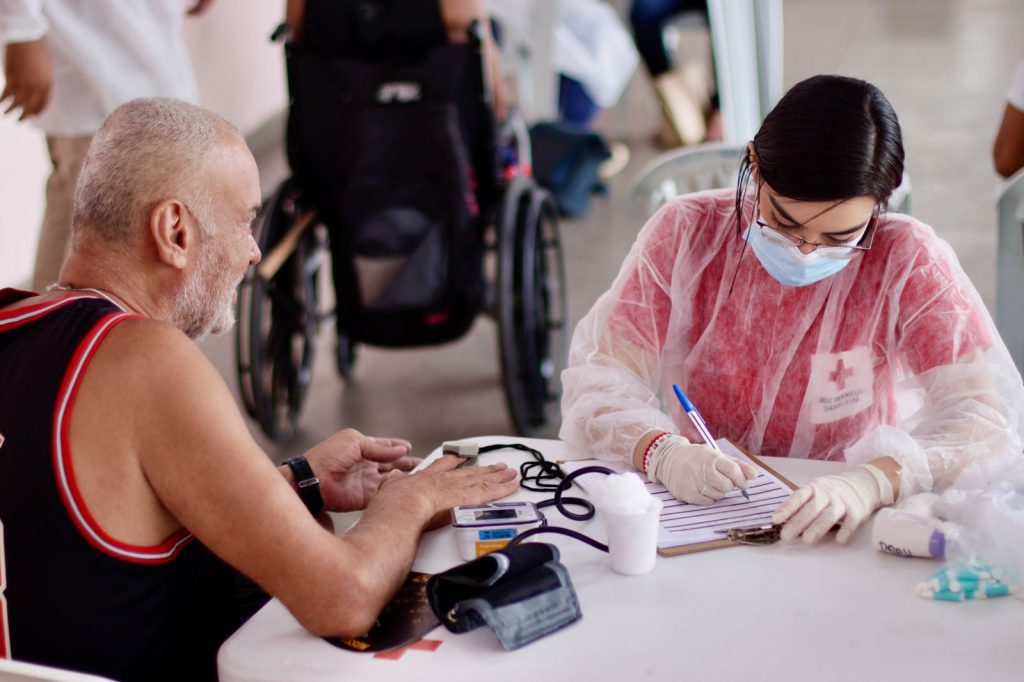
[309, 485]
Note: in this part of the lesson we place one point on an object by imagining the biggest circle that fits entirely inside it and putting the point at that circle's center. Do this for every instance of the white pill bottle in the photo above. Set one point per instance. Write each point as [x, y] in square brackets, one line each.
[912, 530]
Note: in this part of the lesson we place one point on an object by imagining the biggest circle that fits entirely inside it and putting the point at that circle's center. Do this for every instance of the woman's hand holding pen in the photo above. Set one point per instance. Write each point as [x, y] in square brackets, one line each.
[696, 473]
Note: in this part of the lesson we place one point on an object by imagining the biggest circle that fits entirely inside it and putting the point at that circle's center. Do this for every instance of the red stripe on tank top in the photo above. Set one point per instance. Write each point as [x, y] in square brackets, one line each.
[64, 470]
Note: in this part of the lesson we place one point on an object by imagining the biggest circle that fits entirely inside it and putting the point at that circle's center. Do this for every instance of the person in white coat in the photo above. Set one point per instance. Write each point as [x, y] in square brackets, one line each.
[803, 321]
[67, 65]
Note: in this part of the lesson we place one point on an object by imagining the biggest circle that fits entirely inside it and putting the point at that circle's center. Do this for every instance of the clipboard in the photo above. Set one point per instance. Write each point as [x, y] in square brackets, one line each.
[707, 544]
[724, 542]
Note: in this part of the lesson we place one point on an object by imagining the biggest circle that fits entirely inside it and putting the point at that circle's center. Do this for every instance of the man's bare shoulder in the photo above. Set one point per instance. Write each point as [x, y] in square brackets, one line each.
[170, 394]
[143, 340]
[147, 354]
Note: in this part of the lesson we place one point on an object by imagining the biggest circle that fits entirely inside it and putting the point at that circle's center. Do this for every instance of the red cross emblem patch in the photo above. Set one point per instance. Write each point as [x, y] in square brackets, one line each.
[841, 384]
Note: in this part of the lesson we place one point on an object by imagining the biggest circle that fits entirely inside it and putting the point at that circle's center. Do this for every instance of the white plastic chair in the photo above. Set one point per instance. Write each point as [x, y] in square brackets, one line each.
[685, 170]
[709, 166]
[17, 671]
[1010, 268]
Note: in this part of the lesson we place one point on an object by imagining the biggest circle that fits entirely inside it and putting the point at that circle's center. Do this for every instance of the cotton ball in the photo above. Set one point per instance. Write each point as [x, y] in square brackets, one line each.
[620, 493]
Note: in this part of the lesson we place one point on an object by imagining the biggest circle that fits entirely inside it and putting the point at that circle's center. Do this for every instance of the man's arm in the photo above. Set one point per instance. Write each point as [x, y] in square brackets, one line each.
[1008, 149]
[28, 77]
[198, 7]
[204, 467]
[28, 73]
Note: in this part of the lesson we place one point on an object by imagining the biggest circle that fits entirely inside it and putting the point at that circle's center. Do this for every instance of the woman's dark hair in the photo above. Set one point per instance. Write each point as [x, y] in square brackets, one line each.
[829, 138]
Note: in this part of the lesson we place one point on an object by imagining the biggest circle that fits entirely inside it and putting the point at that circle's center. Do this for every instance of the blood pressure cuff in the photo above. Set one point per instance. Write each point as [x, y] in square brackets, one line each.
[520, 592]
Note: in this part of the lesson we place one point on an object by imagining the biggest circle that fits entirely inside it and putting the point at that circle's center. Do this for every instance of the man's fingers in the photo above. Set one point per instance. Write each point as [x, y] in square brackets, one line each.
[384, 449]
[495, 474]
[445, 463]
[405, 463]
[393, 442]
[391, 476]
[499, 473]
[478, 485]
[790, 506]
[504, 483]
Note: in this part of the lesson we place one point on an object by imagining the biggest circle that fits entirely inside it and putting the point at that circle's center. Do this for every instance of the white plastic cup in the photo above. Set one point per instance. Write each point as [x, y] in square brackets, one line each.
[633, 539]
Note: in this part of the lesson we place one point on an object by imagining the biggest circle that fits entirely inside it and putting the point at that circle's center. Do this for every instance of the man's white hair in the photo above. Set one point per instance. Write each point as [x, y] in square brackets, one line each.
[148, 150]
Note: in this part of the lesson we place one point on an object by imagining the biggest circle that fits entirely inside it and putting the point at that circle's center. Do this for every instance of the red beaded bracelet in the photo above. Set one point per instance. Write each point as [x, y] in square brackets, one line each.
[645, 461]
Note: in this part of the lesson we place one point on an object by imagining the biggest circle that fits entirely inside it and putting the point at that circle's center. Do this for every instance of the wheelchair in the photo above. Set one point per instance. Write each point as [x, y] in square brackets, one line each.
[498, 250]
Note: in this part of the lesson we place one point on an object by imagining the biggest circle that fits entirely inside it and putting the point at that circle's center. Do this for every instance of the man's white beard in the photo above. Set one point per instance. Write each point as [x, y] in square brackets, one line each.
[204, 305]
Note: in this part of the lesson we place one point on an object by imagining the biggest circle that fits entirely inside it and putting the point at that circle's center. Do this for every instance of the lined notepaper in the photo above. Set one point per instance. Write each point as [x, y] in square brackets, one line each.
[687, 524]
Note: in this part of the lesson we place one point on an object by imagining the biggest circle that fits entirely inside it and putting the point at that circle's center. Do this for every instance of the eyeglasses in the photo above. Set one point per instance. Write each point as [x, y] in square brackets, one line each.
[836, 251]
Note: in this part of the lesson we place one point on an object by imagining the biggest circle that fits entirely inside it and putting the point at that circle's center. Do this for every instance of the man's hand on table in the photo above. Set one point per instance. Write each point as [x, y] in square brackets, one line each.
[351, 467]
[442, 485]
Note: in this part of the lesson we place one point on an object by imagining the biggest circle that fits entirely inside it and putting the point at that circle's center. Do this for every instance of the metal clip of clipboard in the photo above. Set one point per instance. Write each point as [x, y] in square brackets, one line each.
[754, 535]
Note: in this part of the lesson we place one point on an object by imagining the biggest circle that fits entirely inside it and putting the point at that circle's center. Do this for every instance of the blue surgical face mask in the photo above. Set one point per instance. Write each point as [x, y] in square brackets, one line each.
[788, 265]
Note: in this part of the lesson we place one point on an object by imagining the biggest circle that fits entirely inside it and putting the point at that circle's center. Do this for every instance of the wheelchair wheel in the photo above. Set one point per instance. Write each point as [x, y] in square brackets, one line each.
[531, 309]
[278, 319]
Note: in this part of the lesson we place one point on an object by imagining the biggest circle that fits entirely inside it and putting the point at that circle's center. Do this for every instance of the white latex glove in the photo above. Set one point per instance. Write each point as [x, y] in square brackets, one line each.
[847, 498]
[696, 473]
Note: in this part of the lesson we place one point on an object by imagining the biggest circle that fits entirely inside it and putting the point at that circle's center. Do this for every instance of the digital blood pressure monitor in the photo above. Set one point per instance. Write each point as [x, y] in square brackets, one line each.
[485, 528]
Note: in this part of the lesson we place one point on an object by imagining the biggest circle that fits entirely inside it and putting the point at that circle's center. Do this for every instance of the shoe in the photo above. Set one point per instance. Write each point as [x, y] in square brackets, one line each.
[680, 109]
[616, 163]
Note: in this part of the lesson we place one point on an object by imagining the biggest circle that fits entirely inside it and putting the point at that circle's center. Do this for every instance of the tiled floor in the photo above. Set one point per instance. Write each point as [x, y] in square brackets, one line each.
[944, 64]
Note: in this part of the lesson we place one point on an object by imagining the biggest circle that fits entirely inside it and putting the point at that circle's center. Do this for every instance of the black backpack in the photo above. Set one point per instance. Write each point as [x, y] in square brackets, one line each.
[398, 156]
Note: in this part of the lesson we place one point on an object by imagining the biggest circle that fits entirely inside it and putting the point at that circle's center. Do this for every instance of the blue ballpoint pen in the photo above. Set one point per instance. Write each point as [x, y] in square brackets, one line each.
[698, 423]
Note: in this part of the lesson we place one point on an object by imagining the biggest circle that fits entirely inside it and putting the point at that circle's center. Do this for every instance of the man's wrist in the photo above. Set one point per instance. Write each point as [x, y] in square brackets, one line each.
[306, 484]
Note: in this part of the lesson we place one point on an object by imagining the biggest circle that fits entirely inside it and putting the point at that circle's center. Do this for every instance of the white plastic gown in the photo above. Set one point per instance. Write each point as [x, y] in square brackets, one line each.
[893, 356]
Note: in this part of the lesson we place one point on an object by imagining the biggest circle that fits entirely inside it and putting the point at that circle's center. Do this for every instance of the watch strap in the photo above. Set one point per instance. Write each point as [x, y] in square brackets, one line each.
[308, 484]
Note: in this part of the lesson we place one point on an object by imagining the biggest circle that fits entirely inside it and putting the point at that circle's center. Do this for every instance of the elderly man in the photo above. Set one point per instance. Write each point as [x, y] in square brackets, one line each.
[128, 481]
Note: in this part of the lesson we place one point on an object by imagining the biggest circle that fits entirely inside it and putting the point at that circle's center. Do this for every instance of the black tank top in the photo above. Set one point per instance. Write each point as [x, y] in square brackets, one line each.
[373, 29]
[73, 597]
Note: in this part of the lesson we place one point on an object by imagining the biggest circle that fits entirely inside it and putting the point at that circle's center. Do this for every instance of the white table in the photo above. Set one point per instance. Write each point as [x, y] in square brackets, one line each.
[782, 612]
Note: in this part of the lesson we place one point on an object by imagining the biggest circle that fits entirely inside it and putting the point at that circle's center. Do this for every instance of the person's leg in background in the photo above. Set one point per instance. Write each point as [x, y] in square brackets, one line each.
[648, 18]
[575, 106]
[67, 155]
[682, 111]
